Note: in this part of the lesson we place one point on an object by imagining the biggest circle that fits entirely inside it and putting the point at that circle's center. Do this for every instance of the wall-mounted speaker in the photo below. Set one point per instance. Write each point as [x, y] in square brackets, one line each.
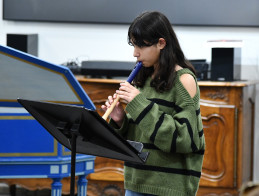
[226, 64]
[24, 42]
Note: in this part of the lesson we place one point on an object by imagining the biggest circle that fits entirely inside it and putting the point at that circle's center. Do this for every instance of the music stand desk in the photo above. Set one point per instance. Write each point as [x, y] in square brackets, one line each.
[83, 131]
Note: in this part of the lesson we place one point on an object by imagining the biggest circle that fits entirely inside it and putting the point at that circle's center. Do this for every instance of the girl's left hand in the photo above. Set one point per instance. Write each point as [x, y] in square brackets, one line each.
[127, 92]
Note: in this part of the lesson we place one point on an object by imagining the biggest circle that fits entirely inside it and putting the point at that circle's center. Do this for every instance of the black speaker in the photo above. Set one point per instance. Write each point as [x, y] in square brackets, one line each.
[226, 64]
[24, 42]
[201, 67]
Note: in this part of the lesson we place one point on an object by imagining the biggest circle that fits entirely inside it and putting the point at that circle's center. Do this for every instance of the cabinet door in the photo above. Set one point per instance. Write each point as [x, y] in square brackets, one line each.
[219, 166]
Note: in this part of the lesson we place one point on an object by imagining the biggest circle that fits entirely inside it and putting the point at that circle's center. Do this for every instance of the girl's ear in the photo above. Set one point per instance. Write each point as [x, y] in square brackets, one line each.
[161, 43]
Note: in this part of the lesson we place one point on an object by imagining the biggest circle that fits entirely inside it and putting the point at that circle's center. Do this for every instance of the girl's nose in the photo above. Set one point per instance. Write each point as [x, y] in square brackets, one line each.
[136, 52]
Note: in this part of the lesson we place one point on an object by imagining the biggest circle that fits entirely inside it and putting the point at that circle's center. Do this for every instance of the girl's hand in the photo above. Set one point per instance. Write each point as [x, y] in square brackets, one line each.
[117, 113]
[127, 92]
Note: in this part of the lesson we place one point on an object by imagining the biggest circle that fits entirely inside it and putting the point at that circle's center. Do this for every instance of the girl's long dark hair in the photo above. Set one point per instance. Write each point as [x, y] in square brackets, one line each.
[146, 30]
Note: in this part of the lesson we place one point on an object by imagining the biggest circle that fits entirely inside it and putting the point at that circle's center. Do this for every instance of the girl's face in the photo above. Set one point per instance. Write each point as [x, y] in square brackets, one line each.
[149, 55]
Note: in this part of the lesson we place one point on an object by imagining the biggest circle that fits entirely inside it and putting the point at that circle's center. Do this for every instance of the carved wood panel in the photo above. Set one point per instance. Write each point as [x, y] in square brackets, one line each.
[219, 161]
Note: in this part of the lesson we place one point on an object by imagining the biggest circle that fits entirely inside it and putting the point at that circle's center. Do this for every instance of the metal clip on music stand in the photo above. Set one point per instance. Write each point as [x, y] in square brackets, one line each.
[83, 131]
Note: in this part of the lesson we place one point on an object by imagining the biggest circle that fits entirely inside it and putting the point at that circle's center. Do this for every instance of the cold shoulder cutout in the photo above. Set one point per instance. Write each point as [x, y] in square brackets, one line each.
[189, 84]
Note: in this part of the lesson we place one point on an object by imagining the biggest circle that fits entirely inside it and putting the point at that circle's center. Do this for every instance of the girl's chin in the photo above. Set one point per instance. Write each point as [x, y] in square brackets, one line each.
[146, 64]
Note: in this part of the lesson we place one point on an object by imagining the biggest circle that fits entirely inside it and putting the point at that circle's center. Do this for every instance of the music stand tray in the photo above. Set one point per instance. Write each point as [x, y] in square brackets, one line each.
[83, 131]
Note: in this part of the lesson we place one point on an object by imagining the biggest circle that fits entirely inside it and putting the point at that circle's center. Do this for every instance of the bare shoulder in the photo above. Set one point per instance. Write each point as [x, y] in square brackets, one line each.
[189, 84]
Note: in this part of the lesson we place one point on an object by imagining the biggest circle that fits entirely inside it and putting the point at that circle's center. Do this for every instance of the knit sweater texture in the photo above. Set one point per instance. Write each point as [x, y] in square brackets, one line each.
[170, 127]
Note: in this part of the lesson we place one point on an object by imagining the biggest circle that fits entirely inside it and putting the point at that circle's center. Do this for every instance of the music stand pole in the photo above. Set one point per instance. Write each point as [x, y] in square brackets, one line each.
[74, 132]
[73, 154]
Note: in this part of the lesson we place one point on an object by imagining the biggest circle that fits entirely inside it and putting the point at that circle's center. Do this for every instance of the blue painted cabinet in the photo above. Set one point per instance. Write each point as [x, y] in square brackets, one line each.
[27, 150]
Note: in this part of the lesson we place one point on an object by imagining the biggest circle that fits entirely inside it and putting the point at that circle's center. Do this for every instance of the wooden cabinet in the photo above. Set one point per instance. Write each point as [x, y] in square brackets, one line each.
[227, 110]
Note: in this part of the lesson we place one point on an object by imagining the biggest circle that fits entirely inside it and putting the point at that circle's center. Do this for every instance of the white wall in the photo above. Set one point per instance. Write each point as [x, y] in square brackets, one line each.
[60, 42]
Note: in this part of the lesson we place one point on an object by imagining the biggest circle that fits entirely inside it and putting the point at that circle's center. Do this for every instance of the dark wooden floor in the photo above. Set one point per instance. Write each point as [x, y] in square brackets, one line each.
[5, 190]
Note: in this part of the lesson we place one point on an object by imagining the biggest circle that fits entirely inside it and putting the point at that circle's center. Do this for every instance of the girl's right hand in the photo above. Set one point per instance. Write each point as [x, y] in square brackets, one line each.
[117, 113]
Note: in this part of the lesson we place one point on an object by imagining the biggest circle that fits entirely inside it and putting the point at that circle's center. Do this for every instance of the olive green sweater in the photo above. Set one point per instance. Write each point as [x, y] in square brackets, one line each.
[170, 127]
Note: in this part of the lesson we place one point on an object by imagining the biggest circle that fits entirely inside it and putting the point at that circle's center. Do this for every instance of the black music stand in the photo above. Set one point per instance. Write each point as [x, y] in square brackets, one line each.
[83, 131]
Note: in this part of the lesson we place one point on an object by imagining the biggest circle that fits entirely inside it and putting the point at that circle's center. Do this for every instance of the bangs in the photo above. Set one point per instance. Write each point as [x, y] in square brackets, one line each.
[136, 35]
[139, 42]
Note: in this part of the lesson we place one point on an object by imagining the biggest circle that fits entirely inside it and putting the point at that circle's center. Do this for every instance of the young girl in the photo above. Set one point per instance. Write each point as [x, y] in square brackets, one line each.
[162, 112]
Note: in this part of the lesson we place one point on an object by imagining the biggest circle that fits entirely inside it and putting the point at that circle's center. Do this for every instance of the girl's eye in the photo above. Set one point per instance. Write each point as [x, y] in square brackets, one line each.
[131, 44]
